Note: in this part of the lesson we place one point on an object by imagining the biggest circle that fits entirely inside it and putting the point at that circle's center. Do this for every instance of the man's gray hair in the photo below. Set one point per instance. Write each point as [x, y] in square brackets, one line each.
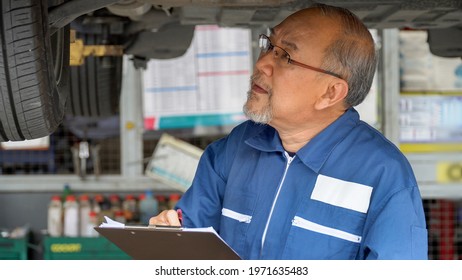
[352, 55]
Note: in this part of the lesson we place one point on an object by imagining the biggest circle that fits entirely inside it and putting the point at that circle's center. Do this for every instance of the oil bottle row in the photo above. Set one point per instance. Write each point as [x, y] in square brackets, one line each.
[76, 216]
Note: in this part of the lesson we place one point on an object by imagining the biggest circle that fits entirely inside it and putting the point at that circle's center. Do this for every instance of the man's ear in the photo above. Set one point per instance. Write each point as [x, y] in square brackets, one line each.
[336, 92]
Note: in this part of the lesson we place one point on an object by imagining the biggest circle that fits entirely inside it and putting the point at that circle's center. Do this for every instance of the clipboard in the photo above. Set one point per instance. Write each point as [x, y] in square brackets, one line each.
[160, 243]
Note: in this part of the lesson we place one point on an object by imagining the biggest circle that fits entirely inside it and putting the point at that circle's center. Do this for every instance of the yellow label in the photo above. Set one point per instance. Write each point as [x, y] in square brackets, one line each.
[66, 248]
[430, 147]
[449, 172]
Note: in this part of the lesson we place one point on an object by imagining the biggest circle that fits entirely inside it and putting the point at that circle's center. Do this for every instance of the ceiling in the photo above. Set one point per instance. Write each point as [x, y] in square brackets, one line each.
[375, 14]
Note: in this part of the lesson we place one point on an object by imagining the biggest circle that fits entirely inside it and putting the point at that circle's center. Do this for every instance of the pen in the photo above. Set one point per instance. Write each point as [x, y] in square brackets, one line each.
[180, 215]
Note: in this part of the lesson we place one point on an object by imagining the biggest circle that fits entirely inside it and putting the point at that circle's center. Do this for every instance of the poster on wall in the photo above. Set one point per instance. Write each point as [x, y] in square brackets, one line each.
[174, 162]
[431, 93]
[431, 118]
[207, 86]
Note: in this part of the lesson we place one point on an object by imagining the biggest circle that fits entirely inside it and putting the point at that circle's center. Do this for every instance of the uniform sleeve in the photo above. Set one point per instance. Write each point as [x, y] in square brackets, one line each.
[202, 202]
[399, 230]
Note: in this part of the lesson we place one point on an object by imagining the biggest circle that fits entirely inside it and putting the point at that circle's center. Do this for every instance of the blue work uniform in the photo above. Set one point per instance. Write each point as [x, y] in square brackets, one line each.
[347, 194]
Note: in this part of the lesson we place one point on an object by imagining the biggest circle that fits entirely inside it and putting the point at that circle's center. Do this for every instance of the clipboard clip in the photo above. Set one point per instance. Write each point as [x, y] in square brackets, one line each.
[165, 227]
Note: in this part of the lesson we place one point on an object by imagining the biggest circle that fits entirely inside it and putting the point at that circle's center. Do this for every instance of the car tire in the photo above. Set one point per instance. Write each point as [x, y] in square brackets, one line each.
[95, 86]
[34, 69]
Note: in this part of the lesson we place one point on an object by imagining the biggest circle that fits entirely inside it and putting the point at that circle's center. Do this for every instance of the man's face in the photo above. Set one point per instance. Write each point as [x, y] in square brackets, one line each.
[284, 94]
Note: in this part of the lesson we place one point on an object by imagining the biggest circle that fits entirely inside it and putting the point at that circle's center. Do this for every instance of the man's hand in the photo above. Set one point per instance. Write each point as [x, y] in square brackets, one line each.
[166, 218]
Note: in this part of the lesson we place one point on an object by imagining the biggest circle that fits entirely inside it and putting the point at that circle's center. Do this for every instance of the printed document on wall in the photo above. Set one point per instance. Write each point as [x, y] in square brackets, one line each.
[207, 86]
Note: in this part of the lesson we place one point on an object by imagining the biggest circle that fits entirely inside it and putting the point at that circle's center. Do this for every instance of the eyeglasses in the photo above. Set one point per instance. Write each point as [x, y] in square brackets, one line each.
[266, 46]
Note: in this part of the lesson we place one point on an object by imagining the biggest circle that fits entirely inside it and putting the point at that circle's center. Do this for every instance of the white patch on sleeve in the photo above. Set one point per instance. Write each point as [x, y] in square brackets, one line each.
[341, 193]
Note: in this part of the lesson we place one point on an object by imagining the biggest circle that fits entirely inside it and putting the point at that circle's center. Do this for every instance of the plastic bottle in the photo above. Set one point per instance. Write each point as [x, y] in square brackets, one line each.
[92, 222]
[66, 191]
[84, 214]
[105, 206]
[119, 216]
[173, 199]
[55, 217]
[116, 205]
[141, 197]
[97, 201]
[149, 207]
[129, 208]
[71, 217]
[163, 204]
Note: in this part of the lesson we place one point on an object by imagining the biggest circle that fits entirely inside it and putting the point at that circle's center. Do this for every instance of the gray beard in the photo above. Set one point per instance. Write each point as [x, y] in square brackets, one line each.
[264, 116]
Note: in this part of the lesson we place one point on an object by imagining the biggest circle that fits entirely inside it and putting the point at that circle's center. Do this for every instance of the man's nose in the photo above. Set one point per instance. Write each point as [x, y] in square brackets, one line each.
[265, 63]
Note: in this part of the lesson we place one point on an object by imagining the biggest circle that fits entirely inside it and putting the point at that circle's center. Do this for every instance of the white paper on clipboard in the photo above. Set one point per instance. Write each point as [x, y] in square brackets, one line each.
[174, 162]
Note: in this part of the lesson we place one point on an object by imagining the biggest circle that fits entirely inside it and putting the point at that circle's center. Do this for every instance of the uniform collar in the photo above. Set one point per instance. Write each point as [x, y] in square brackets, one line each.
[315, 152]
[267, 140]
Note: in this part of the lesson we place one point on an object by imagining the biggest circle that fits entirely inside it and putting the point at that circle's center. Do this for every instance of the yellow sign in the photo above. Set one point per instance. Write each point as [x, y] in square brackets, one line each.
[449, 172]
[66, 247]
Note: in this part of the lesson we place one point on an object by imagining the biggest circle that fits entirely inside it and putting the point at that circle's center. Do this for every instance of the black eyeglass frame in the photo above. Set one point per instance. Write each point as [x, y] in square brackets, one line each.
[271, 46]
